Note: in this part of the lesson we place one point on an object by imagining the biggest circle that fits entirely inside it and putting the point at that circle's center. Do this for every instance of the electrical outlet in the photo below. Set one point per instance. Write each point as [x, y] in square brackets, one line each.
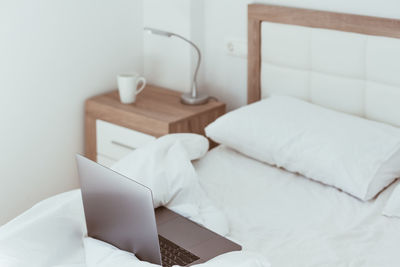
[236, 48]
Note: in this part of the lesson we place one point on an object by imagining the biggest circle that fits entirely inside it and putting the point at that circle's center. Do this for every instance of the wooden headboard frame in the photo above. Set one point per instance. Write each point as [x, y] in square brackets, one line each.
[257, 13]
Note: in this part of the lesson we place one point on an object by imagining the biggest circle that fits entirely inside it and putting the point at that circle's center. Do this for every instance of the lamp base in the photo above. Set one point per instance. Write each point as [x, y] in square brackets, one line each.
[187, 99]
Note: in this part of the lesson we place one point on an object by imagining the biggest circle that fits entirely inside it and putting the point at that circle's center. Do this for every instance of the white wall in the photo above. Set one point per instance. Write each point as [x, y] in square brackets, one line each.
[170, 62]
[167, 60]
[53, 55]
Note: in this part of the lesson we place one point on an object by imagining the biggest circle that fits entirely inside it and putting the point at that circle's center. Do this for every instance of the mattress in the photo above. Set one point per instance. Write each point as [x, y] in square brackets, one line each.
[295, 221]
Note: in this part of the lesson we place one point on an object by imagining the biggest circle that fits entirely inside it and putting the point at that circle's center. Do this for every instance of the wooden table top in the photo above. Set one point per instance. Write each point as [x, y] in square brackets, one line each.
[156, 102]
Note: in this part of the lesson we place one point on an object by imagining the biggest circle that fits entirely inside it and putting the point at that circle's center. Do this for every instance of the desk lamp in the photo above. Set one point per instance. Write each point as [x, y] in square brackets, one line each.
[192, 98]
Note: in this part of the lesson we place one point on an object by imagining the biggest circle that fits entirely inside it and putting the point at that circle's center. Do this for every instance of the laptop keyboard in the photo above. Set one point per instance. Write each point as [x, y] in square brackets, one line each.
[172, 254]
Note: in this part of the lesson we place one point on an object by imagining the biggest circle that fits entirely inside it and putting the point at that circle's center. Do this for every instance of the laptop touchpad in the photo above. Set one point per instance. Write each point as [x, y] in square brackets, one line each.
[184, 232]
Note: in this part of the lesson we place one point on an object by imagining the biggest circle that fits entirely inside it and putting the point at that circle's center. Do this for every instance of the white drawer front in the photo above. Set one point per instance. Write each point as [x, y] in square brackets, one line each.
[115, 142]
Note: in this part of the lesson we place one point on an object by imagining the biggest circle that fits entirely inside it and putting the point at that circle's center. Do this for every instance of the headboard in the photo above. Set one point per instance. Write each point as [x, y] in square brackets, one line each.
[345, 62]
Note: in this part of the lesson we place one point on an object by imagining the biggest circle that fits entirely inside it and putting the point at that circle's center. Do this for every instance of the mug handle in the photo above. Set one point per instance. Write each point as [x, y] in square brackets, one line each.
[143, 80]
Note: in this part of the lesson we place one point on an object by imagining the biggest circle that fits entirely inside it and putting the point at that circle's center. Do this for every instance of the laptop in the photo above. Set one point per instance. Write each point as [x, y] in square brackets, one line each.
[120, 211]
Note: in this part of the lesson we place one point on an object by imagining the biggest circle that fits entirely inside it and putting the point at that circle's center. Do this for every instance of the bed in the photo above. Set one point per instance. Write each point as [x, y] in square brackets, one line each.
[343, 62]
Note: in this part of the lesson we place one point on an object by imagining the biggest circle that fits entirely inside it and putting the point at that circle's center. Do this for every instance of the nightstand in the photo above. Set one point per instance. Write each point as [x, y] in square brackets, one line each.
[113, 129]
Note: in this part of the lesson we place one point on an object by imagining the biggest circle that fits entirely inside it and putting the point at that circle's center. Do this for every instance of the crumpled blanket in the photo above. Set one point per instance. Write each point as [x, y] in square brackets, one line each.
[99, 254]
[53, 232]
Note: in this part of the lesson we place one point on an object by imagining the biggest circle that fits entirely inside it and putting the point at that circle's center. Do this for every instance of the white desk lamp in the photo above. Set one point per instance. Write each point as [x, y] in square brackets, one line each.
[192, 98]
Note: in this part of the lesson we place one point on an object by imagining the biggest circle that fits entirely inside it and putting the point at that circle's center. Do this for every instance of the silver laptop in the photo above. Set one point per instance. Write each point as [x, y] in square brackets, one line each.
[120, 211]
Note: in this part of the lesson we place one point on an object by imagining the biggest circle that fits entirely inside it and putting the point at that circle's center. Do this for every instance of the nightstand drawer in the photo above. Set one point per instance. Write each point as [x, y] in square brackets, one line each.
[115, 142]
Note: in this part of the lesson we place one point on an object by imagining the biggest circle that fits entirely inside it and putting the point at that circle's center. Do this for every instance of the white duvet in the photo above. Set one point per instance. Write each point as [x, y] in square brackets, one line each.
[295, 221]
[53, 232]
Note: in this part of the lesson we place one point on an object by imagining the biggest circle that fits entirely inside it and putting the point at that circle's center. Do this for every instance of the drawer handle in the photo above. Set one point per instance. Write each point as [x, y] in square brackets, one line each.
[122, 145]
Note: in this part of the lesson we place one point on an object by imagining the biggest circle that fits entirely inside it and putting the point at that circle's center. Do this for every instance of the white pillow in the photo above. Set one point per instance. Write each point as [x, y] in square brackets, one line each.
[392, 207]
[356, 155]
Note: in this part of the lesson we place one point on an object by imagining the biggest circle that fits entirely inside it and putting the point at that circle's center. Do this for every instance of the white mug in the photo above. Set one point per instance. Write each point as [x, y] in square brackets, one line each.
[128, 87]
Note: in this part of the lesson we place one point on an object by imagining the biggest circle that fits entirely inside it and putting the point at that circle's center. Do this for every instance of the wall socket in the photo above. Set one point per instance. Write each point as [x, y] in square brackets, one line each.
[236, 48]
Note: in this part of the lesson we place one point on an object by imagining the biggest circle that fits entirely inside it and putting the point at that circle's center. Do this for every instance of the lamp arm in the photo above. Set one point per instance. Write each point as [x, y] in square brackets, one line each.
[194, 82]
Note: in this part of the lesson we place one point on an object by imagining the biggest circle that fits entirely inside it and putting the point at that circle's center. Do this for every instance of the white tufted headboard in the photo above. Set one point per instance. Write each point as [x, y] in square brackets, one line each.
[347, 67]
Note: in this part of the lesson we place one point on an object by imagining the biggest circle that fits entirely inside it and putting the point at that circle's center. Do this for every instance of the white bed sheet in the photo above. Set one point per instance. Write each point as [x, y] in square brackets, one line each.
[295, 221]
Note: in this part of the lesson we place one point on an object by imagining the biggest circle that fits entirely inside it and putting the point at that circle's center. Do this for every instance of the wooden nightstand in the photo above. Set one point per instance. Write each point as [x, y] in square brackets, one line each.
[113, 129]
